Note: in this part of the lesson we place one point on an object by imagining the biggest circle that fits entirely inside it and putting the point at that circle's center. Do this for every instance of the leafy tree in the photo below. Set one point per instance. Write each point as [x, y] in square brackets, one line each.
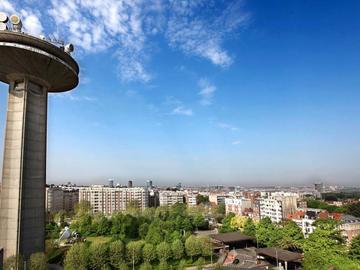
[267, 233]
[101, 225]
[200, 263]
[205, 245]
[249, 227]
[202, 199]
[99, 255]
[200, 222]
[149, 253]
[192, 246]
[292, 236]
[163, 251]
[77, 257]
[226, 223]
[146, 266]
[164, 265]
[37, 261]
[134, 251]
[14, 262]
[182, 265]
[82, 208]
[323, 246]
[238, 222]
[354, 251]
[116, 253]
[177, 249]
[122, 266]
[143, 230]
[354, 209]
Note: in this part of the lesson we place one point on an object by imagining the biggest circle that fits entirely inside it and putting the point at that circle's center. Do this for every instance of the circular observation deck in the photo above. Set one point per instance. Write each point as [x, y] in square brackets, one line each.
[25, 56]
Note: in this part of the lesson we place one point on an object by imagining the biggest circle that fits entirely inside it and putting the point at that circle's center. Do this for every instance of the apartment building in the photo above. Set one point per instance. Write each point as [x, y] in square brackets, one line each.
[238, 206]
[54, 199]
[277, 206]
[108, 200]
[217, 198]
[167, 197]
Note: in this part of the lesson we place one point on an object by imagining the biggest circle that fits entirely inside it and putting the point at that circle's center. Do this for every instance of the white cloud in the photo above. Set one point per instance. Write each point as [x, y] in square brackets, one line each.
[226, 126]
[6, 6]
[207, 92]
[236, 142]
[181, 110]
[195, 27]
[73, 97]
[32, 22]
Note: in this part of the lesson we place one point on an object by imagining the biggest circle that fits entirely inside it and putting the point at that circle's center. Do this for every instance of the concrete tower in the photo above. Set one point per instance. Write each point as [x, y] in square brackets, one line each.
[32, 67]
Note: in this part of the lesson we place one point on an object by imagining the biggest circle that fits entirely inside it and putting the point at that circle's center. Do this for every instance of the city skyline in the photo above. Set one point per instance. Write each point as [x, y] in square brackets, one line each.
[225, 92]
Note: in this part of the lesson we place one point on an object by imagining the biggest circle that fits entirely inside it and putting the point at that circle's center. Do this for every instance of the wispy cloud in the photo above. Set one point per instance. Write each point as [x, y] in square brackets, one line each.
[226, 126]
[207, 91]
[181, 110]
[237, 142]
[127, 27]
[72, 97]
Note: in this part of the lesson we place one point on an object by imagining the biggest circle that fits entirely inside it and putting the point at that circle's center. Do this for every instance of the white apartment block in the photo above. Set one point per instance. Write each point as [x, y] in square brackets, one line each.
[237, 205]
[108, 200]
[167, 197]
[277, 208]
[191, 198]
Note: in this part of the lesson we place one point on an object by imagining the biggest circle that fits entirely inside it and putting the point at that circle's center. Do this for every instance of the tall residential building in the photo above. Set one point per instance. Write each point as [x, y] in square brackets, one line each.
[191, 198]
[71, 198]
[167, 197]
[61, 198]
[54, 199]
[277, 207]
[238, 206]
[108, 200]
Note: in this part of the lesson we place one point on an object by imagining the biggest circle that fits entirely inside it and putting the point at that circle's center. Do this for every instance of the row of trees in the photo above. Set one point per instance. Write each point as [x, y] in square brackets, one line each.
[117, 255]
[152, 225]
[324, 248]
[350, 209]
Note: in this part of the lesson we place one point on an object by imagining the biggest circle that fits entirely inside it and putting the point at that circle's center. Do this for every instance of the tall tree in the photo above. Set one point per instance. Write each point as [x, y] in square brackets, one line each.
[149, 253]
[354, 251]
[177, 249]
[192, 246]
[116, 253]
[249, 227]
[134, 251]
[38, 261]
[163, 251]
[99, 255]
[77, 257]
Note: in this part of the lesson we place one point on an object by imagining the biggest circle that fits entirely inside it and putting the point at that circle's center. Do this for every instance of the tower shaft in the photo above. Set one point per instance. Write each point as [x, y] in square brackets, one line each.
[22, 198]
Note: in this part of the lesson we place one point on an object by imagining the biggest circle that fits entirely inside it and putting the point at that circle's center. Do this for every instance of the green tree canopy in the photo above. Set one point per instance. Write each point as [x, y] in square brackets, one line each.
[77, 257]
[354, 251]
[149, 253]
[163, 251]
[38, 261]
[99, 255]
[116, 253]
[177, 249]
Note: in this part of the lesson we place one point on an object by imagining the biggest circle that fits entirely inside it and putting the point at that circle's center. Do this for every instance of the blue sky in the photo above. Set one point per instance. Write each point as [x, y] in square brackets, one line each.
[203, 92]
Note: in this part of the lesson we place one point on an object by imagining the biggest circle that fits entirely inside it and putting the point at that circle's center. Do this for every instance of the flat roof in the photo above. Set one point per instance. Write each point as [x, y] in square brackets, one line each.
[231, 237]
[281, 254]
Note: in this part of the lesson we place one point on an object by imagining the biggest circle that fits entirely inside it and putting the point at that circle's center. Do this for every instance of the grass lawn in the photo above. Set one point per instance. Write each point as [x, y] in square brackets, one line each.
[98, 239]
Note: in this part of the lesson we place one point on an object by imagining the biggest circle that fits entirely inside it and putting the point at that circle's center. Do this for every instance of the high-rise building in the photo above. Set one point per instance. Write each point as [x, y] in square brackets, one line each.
[54, 199]
[32, 67]
[108, 200]
[130, 184]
